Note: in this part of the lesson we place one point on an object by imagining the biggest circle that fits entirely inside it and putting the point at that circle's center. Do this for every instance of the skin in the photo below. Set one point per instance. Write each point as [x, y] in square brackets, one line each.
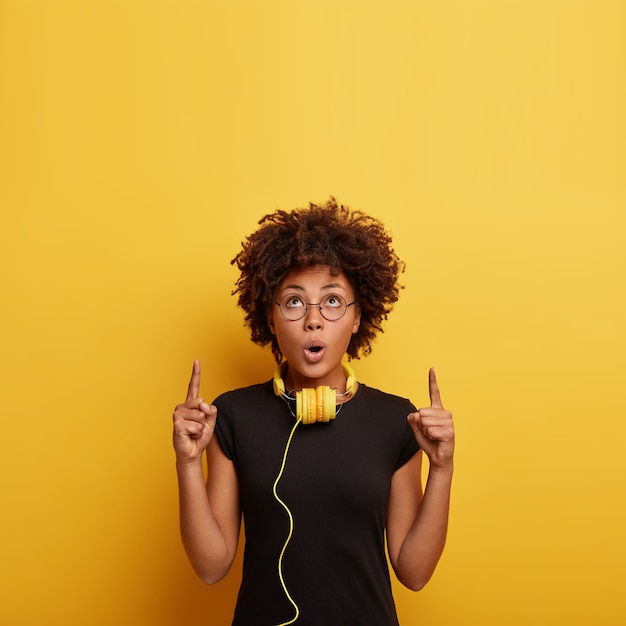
[210, 515]
[307, 369]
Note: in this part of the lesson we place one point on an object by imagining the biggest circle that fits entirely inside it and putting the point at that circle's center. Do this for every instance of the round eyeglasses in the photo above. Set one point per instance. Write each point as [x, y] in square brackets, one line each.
[332, 307]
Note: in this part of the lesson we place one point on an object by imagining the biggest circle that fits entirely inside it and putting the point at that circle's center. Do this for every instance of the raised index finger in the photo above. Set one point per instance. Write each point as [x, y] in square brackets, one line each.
[433, 390]
[194, 384]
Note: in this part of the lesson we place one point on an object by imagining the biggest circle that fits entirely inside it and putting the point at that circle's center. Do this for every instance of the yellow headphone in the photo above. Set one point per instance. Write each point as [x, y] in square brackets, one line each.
[319, 404]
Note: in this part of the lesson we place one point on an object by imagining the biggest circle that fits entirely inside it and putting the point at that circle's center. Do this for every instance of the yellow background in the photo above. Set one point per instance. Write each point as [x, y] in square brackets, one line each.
[141, 140]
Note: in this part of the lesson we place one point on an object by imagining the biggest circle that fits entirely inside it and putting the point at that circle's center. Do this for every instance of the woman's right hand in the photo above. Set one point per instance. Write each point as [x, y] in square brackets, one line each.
[194, 422]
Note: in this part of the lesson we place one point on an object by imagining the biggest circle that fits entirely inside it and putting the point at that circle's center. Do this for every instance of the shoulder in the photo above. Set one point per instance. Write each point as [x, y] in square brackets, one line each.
[379, 421]
[377, 409]
[382, 399]
[244, 415]
[244, 401]
[245, 395]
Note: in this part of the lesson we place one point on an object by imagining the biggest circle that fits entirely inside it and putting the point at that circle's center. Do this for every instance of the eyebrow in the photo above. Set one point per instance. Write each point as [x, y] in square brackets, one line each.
[300, 288]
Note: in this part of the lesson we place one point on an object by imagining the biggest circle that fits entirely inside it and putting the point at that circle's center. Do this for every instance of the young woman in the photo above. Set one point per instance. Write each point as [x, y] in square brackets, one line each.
[322, 468]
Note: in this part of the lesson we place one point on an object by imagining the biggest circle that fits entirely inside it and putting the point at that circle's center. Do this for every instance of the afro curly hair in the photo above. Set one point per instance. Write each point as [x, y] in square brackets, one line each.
[330, 234]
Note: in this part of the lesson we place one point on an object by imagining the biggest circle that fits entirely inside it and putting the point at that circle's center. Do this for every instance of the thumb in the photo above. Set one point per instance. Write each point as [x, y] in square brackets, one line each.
[415, 423]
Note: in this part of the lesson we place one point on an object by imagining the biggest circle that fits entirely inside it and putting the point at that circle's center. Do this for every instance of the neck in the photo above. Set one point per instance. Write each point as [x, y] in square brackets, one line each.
[297, 383]
[338, 381]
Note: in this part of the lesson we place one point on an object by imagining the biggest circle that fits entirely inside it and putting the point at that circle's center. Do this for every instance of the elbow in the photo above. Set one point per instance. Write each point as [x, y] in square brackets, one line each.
[210, 568]
[414, 583]
[417, 585]
[211, 578]
[212, 575]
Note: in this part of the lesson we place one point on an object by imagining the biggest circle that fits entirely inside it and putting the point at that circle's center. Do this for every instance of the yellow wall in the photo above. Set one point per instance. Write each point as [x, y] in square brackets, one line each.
[140, 140]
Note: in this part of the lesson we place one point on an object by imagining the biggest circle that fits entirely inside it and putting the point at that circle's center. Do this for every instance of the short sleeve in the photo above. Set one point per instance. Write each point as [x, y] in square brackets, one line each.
[224, 425]
[409, 444]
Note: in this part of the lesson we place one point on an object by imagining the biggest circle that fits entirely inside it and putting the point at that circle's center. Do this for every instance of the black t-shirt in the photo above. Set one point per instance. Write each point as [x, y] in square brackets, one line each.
[336, 483]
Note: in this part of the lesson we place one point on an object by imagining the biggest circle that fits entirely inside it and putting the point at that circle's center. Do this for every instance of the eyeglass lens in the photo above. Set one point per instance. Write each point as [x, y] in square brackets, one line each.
[332, 307]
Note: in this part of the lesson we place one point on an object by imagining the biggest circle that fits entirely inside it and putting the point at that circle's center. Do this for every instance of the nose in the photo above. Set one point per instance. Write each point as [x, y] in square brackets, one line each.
[313, 319]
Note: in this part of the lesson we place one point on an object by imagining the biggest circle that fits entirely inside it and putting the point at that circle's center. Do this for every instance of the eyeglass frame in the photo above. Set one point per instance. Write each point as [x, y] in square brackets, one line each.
[317, 304]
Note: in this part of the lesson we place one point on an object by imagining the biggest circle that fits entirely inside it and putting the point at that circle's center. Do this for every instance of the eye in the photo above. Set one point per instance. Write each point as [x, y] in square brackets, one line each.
[293, 302]
[332, 301]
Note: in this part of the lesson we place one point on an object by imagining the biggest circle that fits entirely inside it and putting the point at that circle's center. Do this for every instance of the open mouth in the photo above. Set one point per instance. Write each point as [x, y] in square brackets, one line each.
[314, 352]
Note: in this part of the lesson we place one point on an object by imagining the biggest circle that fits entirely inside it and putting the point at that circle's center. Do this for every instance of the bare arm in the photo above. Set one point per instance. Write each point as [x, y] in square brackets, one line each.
[210, 515]
[417, 523]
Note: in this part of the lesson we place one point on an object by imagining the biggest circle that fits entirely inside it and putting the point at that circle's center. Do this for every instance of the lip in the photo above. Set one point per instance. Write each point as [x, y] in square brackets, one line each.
[314, 351]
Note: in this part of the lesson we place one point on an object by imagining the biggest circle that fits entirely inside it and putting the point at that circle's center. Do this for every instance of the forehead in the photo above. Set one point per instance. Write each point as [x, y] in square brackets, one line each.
[315, 277]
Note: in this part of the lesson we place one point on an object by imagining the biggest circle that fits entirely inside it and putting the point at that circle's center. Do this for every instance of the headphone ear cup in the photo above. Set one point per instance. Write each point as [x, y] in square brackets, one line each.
[299, 413]
[312, 410]
[319, 404]
[303, 409]
[315, 404]
[330, 404]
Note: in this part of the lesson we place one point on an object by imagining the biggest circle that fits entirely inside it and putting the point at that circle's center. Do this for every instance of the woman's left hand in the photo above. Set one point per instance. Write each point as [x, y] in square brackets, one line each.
[434, 429]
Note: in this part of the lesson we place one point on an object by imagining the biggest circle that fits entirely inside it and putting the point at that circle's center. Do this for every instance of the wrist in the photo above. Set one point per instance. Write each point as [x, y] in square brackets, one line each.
[189, 465]
[444, 471]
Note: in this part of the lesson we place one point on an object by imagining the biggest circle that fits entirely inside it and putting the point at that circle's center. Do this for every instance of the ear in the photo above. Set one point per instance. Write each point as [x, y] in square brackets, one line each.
[357, 320]
[270, 320]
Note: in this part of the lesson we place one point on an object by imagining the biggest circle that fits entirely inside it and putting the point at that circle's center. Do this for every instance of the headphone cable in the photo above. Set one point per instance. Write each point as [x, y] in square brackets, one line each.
[282, 552]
